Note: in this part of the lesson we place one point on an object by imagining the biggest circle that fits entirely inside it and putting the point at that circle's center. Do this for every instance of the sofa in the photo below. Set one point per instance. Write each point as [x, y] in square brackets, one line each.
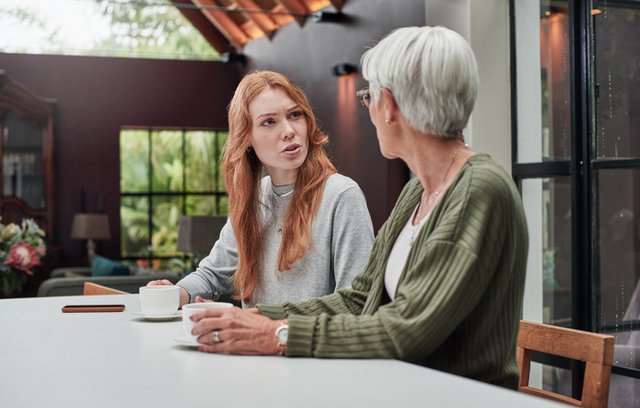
[70, 280]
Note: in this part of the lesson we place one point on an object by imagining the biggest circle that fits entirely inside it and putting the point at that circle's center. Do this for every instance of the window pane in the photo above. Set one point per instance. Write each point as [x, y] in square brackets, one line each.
[222, 139]
[201, 205]
[557, 250]
[201, 161]
[134, 230]
[544, 105]
[166, 161]
[223, 205]
[624, 392]
[179, 159]
[617, 77]
[548, 210]
[166, 215]
[134, 29]
[134, 161]
[22, 160]
[618, 259]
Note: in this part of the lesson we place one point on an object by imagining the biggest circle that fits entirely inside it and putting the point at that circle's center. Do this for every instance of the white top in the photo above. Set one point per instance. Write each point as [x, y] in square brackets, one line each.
[399, 254]
[105, 360]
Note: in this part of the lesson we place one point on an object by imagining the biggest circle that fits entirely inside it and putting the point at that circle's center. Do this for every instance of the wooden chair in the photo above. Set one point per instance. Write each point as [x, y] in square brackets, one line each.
[593, 348]
[91, 288]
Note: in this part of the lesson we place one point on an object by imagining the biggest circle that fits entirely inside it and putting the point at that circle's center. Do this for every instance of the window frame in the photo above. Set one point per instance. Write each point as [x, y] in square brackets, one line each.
[219, 191]
[582, 167]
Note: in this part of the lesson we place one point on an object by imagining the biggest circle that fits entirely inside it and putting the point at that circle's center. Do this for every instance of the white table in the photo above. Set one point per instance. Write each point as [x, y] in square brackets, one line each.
[51, 359]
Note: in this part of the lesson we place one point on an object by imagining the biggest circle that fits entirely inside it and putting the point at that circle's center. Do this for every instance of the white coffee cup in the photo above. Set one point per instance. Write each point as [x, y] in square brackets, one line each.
[159, 300]
[192, 308]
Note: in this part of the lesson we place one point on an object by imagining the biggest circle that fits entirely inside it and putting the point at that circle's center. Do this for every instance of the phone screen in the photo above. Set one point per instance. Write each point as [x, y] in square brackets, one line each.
[93, 308]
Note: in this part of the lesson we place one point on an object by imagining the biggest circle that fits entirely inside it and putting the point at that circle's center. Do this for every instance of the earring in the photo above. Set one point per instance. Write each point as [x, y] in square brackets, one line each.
[388, 122]
[249, 149]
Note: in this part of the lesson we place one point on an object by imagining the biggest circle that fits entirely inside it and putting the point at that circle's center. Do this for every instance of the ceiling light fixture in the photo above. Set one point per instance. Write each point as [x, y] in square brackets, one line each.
[344, 69]
[233, 56]
[328, 17]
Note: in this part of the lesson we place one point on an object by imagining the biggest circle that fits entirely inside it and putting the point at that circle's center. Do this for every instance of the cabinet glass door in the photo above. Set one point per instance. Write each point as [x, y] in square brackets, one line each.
[22, 161]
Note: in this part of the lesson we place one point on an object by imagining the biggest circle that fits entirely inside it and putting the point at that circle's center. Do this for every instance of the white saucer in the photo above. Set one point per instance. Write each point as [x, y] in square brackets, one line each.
[155, 318]
[187, 341]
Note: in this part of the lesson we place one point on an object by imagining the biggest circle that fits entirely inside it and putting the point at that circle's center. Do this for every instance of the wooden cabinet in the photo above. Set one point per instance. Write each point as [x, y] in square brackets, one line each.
[26, 156]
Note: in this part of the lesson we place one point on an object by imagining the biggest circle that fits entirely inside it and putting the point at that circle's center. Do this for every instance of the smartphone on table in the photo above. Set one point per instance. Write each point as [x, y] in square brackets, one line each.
[93, 308]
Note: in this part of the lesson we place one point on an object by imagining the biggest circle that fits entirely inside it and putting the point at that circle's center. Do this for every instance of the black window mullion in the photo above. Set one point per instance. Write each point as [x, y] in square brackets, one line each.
[184, 171]
[553, 168]
[150, 197]
[216, 170]
[583, 192]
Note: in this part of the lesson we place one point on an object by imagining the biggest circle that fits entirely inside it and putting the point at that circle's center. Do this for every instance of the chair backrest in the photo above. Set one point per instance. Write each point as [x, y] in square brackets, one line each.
[596, 350]
[91, 288]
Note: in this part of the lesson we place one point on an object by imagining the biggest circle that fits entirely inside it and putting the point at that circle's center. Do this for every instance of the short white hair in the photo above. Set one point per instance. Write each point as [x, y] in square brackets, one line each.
[432, 74]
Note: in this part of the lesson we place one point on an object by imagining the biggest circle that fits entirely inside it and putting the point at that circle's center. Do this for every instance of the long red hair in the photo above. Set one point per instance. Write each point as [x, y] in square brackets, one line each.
[243, 172]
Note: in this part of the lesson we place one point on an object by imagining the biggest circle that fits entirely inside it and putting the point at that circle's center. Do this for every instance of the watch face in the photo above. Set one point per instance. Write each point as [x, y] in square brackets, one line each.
[283, 333]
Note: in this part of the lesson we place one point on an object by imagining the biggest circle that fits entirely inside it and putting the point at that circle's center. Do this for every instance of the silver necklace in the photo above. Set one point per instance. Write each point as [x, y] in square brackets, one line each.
[285, 194]
[433, 197]
[281, 188]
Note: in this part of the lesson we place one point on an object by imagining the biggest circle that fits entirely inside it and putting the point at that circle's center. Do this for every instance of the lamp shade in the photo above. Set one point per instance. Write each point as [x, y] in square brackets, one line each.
[197, 234]
[90, 226]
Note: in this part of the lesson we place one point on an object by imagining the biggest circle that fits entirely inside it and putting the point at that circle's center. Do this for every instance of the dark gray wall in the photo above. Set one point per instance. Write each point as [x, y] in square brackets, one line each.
[96, 97]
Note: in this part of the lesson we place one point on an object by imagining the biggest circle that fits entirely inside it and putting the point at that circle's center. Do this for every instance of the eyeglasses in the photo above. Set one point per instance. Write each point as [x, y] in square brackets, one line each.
[365, 97]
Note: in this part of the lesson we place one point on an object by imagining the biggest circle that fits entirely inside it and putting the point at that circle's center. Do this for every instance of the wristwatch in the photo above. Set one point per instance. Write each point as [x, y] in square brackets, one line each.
[282, 332]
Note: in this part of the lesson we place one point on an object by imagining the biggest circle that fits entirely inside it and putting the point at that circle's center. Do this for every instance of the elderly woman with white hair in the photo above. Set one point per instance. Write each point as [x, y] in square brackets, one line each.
[444, 283]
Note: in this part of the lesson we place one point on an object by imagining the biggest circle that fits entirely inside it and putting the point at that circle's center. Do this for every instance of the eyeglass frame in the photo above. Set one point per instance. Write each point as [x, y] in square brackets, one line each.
[365, 97]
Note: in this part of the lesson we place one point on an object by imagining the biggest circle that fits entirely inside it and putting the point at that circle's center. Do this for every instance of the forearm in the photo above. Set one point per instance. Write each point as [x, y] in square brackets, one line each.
[344, 301]
[340, 336]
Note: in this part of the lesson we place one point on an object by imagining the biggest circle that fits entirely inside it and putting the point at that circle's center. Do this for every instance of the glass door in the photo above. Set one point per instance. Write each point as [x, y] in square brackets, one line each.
[22, 161]
[576, 139]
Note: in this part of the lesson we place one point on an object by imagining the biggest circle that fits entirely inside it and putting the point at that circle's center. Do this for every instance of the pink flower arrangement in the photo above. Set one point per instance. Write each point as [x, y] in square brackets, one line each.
[21, 249]
[23, 256]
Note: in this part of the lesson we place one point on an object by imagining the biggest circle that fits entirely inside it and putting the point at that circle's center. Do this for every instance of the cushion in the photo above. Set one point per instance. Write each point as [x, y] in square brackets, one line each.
[101, 266]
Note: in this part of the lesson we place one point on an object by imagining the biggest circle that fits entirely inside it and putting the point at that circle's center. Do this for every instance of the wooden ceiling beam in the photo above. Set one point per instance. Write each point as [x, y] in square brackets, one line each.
[297, 8]
[262, 21]
[201, 23]
[338, 4]
[223, 23]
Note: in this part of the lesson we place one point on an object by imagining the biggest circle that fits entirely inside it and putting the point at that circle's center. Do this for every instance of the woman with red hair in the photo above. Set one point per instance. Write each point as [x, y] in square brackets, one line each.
[296, 228]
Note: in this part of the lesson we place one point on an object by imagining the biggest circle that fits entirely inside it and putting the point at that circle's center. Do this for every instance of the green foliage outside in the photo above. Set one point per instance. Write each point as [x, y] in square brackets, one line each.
[151, 29]
[137, 29]
[155, 167]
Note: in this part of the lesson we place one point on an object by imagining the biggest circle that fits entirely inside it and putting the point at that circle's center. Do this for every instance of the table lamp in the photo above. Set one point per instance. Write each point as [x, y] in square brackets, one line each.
[197, 234]
[90, 227]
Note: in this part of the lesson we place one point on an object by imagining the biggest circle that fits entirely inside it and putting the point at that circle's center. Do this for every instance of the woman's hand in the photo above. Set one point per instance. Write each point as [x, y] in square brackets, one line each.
[239, 332]
[160, 282]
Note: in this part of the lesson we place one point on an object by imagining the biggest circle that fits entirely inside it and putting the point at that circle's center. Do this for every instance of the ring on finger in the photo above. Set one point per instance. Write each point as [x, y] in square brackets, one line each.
[215, 336]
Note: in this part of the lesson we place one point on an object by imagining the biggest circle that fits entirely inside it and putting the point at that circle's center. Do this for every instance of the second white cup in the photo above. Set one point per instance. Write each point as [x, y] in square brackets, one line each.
[159, 300]
[191, 308]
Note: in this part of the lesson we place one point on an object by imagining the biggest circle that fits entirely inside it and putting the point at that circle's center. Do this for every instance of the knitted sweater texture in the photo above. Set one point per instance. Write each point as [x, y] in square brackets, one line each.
[458, 302]
[341, 233]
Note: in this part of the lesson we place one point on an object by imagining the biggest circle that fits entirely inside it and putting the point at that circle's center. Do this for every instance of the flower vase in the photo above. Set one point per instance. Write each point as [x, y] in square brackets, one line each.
[11, 283]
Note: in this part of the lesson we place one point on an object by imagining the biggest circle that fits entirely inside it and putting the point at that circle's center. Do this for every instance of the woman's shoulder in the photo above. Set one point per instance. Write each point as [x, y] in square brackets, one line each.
[488, 180]
[484, 170]
[337, 183]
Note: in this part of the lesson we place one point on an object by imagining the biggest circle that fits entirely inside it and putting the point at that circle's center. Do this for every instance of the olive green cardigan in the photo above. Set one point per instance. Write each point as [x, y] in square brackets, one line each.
[458, 302]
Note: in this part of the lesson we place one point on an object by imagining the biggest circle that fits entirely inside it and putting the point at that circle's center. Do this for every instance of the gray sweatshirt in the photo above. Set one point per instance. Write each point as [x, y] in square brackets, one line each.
[342, 238]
